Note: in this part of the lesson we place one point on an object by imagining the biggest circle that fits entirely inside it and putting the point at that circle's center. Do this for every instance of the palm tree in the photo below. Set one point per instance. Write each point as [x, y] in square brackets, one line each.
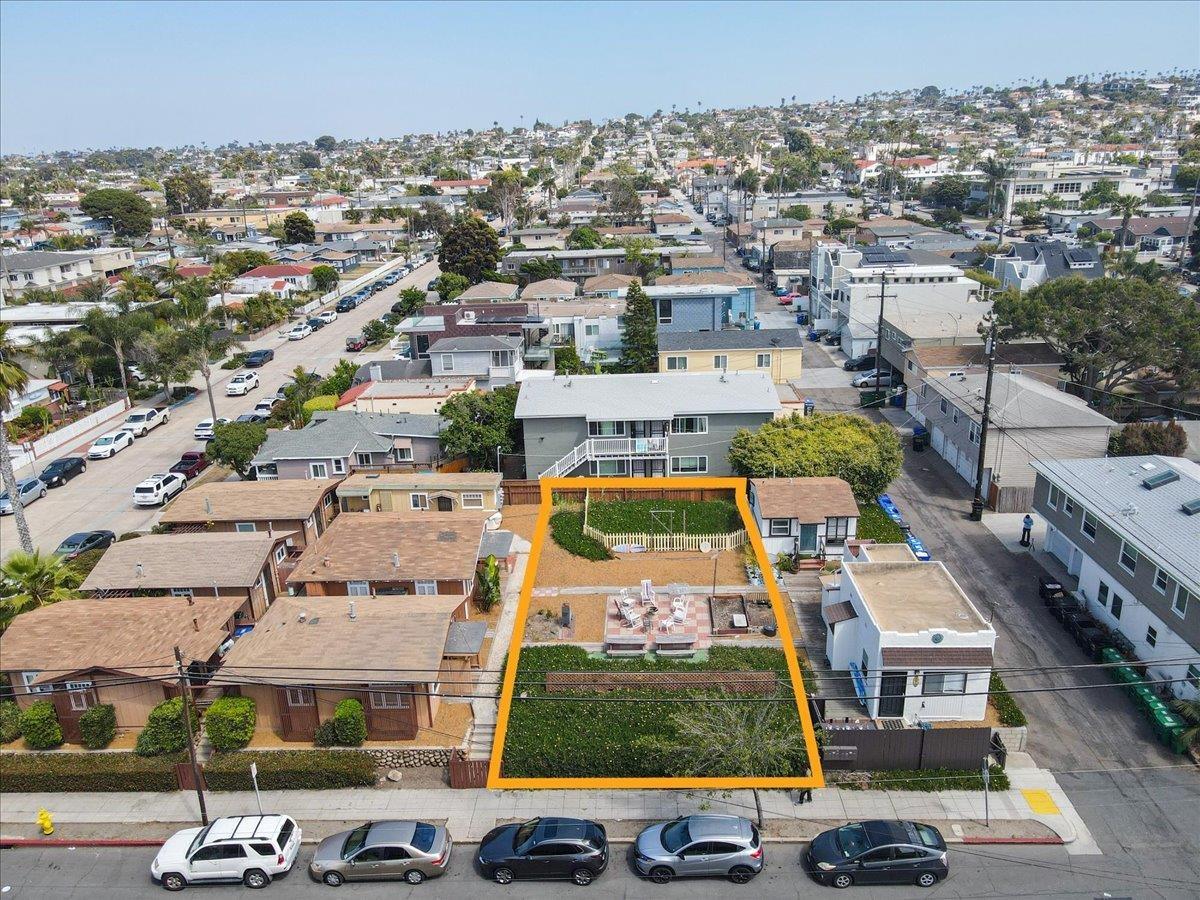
[996, 171]
[221, 279]
[171, 274]
[118, 329]
[302, 389]
[201, 344]
[1126, 206]
[13, 381]
[36, 581]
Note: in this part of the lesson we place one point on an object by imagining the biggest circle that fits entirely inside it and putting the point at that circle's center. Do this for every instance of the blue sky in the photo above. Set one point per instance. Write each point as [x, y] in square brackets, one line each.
[145, 74]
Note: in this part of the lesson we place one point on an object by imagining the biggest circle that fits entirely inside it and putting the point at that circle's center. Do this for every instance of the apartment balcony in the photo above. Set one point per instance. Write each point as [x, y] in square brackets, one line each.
[617, 447]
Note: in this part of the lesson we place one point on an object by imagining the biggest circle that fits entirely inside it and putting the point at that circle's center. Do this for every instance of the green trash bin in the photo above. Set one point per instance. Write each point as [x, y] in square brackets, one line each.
[1110, 655]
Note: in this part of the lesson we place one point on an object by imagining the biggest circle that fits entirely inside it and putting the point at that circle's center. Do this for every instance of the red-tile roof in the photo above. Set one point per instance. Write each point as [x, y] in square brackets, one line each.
[279, 271]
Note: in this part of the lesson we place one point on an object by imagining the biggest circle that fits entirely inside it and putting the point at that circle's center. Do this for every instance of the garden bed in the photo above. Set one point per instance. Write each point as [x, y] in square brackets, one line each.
[874, 525]
[664, 516]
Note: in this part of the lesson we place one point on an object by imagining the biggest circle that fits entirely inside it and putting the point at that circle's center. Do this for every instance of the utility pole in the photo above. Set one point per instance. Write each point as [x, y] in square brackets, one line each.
[185, 695]
[1187, 232]
[977, 502]
[879, 332]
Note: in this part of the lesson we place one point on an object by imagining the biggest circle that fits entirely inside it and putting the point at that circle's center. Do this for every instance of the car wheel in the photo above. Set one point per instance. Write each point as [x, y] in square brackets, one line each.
[661, 875]
[582, 876]
[42, 494]
[82, 469]
[255, 879]
[503, 876]
[926, 879]
[414, 876]
[741, 874]
[333, 879]
[842, 881]
[173, 881]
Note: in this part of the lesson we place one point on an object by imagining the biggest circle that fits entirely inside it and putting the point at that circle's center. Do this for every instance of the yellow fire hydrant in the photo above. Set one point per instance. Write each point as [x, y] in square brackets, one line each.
[45, 822]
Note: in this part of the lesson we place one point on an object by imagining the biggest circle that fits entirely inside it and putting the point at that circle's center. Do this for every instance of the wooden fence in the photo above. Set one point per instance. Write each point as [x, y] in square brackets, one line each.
[467, 773]
[523, 493]
[906, 748]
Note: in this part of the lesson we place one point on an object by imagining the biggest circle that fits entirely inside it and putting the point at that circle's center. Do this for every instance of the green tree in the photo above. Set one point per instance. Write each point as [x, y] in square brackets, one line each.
[470, 248]
[412, 299]
[540, 269]
[1186, 177]
[801, 212]
[639, 333]
[187, 191]
[1102, 193]
[118, 329]
[450, 284]
[840, 224]
[32, 580]
[865, 455]
[303, 387]
[128, 213]
[200, 345]
[947, 216]
[340, 379]
[1126, 206]
[478, 423]
[950, 191]
[235, 443]
[325, 278]
[584, 237]
[507, 190]
[307, 159]
[567, 361]
[325, 143]
[298, 228]
[13, 382]
[1148, 439]
[624, 204]
[238, 262]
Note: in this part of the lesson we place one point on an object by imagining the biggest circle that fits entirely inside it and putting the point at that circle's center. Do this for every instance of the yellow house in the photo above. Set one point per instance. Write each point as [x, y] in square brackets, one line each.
[421, 492]
[777, 351]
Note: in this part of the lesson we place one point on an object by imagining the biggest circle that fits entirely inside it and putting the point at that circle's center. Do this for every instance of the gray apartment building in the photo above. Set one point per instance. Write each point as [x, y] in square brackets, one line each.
[653, 425]
[577, 265]
[1128, 528]
[492, 360]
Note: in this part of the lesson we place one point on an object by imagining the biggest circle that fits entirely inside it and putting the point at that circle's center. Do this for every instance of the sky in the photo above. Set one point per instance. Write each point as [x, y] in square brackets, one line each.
[99, 75]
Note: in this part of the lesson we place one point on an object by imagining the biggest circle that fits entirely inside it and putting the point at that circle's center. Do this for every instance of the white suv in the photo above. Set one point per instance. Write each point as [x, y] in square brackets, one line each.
[159, 489]
[242, 384]
[140, 421]
[249, 849]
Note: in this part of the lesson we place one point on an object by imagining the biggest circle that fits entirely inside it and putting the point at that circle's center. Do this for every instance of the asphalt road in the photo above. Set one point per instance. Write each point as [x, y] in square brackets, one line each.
[103, 496]
[1009, 872]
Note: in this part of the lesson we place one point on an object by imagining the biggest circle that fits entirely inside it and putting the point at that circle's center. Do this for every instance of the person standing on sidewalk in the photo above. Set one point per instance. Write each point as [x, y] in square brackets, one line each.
[1026, 530]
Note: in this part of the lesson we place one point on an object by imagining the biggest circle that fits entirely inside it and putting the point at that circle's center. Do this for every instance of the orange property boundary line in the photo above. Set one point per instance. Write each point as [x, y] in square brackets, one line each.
[738, 486]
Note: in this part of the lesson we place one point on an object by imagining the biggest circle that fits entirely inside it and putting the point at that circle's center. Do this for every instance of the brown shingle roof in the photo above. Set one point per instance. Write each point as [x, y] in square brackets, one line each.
[1034, 353]
[806, 499]
[728, 279]
[386, 635]
[382, 546]
[134, 634]
[244, 501]
[608, 282]
[361, 483]
[927, 657]
[838, 612]
[182, 560]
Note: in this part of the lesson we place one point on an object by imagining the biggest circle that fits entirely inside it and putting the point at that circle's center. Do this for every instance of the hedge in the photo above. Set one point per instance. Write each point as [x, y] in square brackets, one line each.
[321, 402]
[874, 525]
[1010, 713]
[919, 780]
[649, 516]
[10, 721]
[566, 527]
[350, 722]
[98, 726]
[164, 731]
[229, 722]
[53, 772]
[291, 770]
[39, 726]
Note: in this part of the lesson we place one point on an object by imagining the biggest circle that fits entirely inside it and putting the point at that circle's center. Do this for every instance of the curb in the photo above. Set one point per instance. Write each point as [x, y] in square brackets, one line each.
[87, 842]
[1051, 841]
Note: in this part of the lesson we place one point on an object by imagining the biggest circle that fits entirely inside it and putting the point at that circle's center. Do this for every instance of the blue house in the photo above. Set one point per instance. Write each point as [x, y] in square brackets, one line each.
[702, 307]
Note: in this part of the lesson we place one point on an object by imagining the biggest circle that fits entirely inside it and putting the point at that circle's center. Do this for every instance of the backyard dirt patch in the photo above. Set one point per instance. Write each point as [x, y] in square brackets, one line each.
[588, 614]
[558, 568]
[521, 519]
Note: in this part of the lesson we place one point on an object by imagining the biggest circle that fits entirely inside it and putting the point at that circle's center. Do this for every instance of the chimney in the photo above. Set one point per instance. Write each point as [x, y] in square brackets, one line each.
[208, 506]
[195, 624]
[353, 614]
[325, 561]
[395, 560]
[376, 373]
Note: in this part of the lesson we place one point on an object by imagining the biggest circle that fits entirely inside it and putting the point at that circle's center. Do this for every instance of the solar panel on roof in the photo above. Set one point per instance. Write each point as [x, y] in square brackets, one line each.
[1079, 256]
[1167, 476]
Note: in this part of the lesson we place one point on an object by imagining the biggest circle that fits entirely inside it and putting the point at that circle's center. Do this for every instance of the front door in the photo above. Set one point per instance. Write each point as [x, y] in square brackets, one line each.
[297, 713]
[445, 504]
[807, 541]
[392, 712]
[72, 703]
[891, 694]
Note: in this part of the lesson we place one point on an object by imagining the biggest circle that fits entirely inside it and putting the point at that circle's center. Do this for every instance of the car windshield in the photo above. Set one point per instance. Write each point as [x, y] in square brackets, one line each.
[676, 835]
[75, 540]
[423, 837]
[852, 840]
[136, 417]
[198, 840]
[525, 832]
[929, 836]
[104, 440]
[355, 841]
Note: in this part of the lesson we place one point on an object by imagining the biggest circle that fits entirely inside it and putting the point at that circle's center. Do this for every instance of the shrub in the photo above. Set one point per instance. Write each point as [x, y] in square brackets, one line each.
[229, 722]
[1010, 713]
[98, 726]
[235, 362]
[39, 726]
[321, 403]
[920, 780]
[164, 731]
[326, 734]
[660, 516]
[291, 770]
[83, 564]
[350, 722]
[129, 536]
[50, 772]
[874, 525]
[10, 721]
[566, 527]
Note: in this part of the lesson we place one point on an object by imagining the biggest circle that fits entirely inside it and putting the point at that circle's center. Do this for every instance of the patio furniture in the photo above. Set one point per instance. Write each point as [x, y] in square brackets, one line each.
[679, 611]
[647, 590]
[682, 652]
[675, 641]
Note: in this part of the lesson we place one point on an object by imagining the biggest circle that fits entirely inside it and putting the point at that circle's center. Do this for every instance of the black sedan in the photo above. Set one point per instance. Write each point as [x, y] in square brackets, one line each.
[83, 541]
[878, 852]
[316, 324]
[544, 848]
[256, 358]
[63, 470]
[860, 363]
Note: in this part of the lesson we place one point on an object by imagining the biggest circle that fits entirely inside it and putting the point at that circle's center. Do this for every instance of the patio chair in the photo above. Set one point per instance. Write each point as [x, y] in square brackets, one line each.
[679, 612]
[647, 591]
[631, 618]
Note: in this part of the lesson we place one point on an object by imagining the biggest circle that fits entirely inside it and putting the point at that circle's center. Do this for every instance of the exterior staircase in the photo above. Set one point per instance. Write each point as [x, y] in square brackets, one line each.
[483, 731]
[607, 448]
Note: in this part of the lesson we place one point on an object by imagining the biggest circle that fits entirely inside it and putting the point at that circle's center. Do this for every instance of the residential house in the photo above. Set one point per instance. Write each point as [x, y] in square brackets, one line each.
[222, 565]
[459, 187]
[1028, 420]
[899, 234]
[1025, 266]
[538, 238]
[580, 206]
[611, 286]
[298, 276]
[1128, 529]
[339, 442]
[438, 321]
[488, 292]
[916, 647]
[671, 224]
[593, 328]
[118, 651]
[400, 660]
[706, 307]
[300, 510]
[642, 425]
[686, 264]
[577, 265]
[775, 351]
[790, 262]
[803, 516]
[492, 360]
[1035, 359]
[1159, 235]
[423, 396]
[768, 232]
[48, 270]
[550, 290]
[420, 492]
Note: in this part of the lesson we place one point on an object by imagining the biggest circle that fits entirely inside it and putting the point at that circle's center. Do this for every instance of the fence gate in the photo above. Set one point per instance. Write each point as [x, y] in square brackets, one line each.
[467, 773]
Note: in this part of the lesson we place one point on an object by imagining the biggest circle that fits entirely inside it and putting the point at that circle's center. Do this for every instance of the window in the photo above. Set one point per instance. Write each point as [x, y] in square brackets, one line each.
[943, 405]
[677, 363]
[311, 522]
[339, 467]
[591, 330]
[721, 361]
[608, 467]
[954, 416]
[404, 454]
[945, 683]
[358, 589]
[469, 501]
[690, 425]
[1182, 596]
[426, 588]
[909, 365]
[1193, 676]
[1102, 594]
[553, 849]
[415, 501]
[778, 528]
[1117, 604]
[263, 849]
[763, 361]
[447, 362]
[1053, 497]
[360, 459]
[1129, 558]
[317, 470]
[606, 429]
[299, 696]
[1151, 635]
[244, 527]
[689, 464]
[837, 528]
[1089, 525]
[281, 553]
[27, 679]
[1067, 187]
[1160, 581]
[664, 311]
[329, 500]
[390, 700]
[1068, 505]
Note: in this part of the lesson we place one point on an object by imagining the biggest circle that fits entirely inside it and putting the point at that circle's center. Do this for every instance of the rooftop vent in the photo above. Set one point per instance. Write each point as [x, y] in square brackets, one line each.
[353, 612]
[1166, 476]
[1191, 507]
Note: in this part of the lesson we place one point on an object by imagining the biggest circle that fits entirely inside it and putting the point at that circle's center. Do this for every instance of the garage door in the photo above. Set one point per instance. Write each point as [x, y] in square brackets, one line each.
[966, 468]
[950, 453]
[912, 406]
[939, 438]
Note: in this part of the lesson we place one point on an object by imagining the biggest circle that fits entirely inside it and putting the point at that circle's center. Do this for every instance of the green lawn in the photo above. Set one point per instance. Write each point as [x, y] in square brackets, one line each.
[566, 527]
[873, 524]
[664, 516]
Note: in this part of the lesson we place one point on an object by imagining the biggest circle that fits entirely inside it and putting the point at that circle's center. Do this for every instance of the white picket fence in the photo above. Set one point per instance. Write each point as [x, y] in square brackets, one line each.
[36, 449]
[668, 542]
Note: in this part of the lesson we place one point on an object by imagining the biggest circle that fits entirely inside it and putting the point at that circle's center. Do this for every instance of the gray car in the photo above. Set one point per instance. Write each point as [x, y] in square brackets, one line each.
[28, 489]
[393, 850]
[728, 846]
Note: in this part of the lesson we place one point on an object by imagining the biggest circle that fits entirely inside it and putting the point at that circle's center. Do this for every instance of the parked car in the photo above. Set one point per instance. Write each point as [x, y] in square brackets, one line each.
[867, 379]
[140, 421]
[705, 845]
[399, 307]
[109, 444]
[257, 358]
[28, 489]
[135, 373]
[549, 847]
[205, 428]
[299, 331]
[315, 324]
[191, 463]
[345, 305]
[413, 851]
[878, 852]
[266, 405]
[83, 541]
[159, 488]
[249, 849]
[355, 342]
[860, 363]
[63, 470]
[834, 337]
[328, 317]
[251, 417]
[241, 384]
